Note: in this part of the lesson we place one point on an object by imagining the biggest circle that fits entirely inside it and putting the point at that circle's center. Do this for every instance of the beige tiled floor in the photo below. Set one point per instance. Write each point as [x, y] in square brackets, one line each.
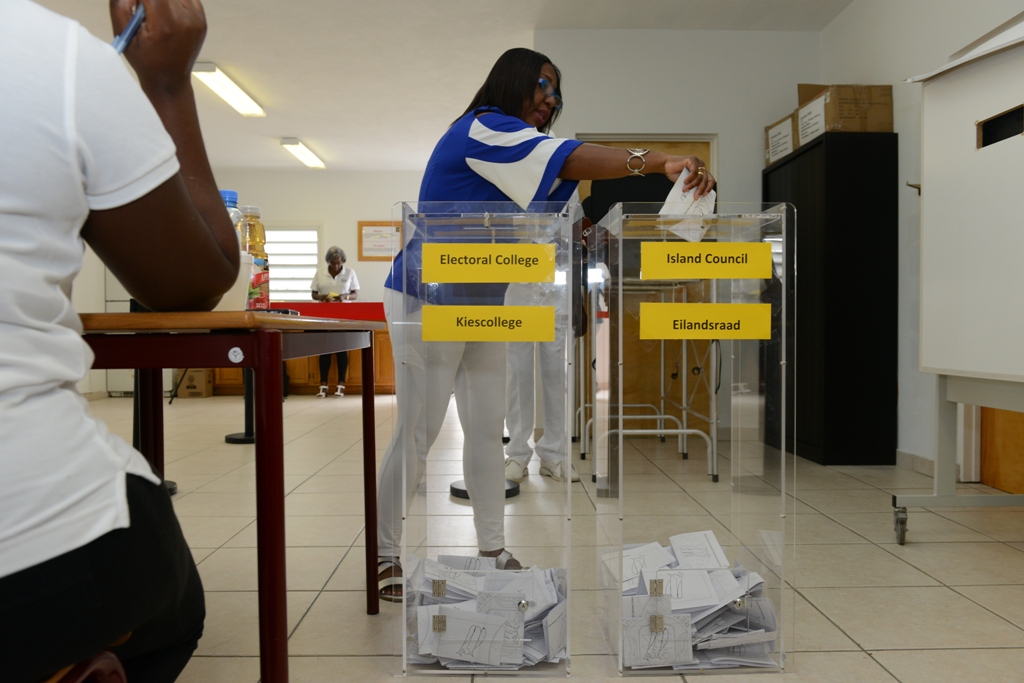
[948, 606]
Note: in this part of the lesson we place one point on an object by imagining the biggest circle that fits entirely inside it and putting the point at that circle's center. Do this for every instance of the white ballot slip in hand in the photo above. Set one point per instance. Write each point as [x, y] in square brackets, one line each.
[679, 203]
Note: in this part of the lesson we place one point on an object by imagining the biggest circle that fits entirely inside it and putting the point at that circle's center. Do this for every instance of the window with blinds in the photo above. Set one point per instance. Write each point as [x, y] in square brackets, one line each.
[294, 256]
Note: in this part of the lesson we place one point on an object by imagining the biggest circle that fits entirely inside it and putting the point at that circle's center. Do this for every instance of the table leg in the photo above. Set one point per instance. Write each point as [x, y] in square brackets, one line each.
[370, 480]
[270, 536]
[151, 417]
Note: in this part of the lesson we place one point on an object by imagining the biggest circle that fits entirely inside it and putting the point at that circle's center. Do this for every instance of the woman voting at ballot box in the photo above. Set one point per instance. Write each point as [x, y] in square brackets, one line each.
[335, 282]
[499, 150]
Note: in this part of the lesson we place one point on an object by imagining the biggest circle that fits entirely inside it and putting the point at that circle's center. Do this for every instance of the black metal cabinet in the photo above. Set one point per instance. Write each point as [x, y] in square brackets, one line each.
[844, 320]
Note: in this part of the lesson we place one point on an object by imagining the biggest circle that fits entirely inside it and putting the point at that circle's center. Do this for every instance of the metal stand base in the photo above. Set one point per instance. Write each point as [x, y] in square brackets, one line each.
[458, 489]
[172, 486]
[249, 435]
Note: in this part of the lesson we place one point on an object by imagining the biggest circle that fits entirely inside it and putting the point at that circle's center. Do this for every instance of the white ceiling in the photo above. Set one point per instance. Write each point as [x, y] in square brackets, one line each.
[371, 85]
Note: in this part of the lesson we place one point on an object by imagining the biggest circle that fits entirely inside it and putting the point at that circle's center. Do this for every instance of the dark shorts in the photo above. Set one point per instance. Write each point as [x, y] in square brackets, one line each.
[140, 580]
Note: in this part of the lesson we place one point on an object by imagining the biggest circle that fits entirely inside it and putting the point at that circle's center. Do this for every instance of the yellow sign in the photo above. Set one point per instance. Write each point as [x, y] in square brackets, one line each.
[458, 262]
[489, 323]
[705, 260]
[705, 321]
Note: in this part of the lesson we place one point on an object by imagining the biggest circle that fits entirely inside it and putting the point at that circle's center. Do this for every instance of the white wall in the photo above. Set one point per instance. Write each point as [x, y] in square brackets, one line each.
[726, 83]
[882, 41]
[336, 199]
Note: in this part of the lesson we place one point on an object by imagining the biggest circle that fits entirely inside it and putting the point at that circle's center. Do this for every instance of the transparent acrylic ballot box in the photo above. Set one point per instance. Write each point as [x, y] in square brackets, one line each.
[693, 495]
[482, 282]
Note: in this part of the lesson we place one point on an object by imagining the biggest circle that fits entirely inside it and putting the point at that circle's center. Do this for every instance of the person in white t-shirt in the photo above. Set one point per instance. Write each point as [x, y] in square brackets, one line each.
[334, 283]
[90, 549]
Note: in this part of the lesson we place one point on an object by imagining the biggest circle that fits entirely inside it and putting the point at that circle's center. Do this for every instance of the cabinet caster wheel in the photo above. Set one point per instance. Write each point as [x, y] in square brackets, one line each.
[900, 525]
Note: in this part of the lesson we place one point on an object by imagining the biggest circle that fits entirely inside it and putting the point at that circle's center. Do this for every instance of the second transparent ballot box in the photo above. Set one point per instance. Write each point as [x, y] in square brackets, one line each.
[693, 494]
[485, 288]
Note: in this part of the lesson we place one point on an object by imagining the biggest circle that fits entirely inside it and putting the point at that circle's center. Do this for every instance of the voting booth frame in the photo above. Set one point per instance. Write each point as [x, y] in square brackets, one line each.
[676, 569]
[694, 575]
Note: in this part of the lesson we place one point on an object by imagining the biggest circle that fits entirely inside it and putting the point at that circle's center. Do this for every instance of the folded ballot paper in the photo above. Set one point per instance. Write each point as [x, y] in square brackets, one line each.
[679, 203]
[709, 615]
[493, 620]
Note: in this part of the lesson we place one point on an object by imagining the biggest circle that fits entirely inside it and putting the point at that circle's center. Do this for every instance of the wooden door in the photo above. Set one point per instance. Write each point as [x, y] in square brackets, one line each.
[1002, 449]
[641, 383]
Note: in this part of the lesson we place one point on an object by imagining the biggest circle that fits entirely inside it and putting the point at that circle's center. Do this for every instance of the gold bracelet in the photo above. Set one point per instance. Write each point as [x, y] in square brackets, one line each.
[636, 154]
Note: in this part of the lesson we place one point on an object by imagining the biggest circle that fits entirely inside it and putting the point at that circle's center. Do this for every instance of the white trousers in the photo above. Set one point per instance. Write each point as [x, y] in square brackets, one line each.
[519, 399]
[426, 373]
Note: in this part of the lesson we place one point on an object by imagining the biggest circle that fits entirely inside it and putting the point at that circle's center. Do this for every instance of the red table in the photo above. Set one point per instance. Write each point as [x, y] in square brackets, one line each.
[260, 341]
[344, 310]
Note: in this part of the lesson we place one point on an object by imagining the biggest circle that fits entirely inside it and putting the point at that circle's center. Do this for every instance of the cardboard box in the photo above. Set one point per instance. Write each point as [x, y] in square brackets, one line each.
[198, 383]
[845, 108]
[779, 139]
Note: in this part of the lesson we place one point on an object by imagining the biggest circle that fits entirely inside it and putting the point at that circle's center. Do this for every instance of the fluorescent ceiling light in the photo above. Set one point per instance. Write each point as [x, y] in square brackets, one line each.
[227, 89]
[302, 152]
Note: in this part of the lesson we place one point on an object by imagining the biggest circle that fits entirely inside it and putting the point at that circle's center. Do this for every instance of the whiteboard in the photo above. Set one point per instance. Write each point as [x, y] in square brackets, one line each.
[972, 224]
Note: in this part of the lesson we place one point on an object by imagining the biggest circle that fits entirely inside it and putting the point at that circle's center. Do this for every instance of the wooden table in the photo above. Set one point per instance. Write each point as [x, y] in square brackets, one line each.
[150, 342]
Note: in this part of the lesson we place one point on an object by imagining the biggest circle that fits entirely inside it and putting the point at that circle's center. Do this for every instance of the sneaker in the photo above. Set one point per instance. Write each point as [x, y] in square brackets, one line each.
[340, 391]
[323, 391]
[555, 471]
[514, 471]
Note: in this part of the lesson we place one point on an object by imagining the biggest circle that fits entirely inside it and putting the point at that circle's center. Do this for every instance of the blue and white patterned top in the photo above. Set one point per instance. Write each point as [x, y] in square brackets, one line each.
[492, 157]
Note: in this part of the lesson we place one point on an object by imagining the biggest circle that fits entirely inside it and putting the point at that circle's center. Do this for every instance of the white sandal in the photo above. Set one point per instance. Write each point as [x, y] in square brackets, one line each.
[501, 560]
[340, 391]
[323, 391]
[384, 565]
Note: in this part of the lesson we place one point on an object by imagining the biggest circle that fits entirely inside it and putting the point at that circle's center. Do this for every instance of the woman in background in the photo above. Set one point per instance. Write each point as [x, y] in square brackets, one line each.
[334, 283]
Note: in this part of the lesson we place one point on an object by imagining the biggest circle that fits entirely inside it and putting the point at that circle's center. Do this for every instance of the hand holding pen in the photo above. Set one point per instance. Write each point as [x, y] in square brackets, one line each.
[163, 48]
[121, 41]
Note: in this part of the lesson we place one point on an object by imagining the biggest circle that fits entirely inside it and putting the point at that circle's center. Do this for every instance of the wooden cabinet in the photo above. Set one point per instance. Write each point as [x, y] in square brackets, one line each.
[842, 322]
[304, 373]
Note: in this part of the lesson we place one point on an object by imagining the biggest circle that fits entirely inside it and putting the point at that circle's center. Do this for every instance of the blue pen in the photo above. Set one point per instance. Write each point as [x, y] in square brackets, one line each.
[121, 42]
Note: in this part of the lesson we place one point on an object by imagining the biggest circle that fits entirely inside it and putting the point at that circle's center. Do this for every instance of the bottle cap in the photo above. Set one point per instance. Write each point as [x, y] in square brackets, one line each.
[230, 197]
[250, 210]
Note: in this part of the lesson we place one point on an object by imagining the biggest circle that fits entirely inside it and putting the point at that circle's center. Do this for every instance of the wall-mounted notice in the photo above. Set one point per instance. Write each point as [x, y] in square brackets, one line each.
[379, 240]
[705, 321]
[705, 260]
[461, 262]
[489, 323]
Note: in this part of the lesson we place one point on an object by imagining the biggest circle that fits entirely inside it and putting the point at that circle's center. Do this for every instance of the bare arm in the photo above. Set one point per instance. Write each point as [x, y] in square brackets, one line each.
[186, 214]
[597, 162]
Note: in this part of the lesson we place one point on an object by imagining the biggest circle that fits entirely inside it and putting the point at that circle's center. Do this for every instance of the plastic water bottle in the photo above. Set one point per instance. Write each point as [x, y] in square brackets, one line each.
[254, 241]
[230, 198]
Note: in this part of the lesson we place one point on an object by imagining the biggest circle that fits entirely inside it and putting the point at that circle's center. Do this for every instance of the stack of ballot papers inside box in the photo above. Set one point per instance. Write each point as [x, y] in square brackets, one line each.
[712, 615]
[493, 619]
